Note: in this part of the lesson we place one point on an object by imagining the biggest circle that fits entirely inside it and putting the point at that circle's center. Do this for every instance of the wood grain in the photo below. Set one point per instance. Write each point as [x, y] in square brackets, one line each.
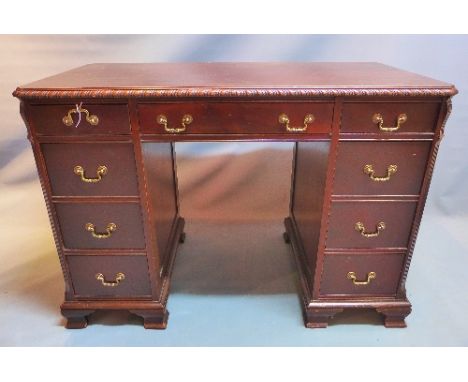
[302, 79]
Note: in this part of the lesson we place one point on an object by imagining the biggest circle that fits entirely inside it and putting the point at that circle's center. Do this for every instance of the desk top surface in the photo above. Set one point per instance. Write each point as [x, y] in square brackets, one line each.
[235, 79]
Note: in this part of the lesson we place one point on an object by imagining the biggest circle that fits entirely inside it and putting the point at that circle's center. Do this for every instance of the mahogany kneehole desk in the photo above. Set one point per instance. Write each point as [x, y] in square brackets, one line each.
[366, 138]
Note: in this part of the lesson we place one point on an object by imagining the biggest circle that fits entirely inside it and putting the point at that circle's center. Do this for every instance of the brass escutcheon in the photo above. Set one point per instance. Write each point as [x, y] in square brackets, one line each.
[369, 170]
[377, 118]
[91, 119]
[284, 120]
[359, 226]
[100, 172]
[111, 227]
[187, 119]
[118, 278]
[370, 276]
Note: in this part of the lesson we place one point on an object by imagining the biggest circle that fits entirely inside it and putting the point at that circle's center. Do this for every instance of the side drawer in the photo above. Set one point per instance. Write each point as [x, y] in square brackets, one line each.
[380, 168]
[370, 224]
[91, 169]
[49, 119]
[109, 276]
[114, 225]
[359, 117]
[361, 274]
[235, 117]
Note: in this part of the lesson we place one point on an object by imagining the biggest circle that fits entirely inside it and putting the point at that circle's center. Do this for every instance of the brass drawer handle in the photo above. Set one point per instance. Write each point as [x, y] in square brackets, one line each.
[377, 118]
[284, 120]
[118, 278]
[111, 227]
[360, 228]
[370, 276]
[91, 119]
[369, 170]
[100, 172]
[187, 119]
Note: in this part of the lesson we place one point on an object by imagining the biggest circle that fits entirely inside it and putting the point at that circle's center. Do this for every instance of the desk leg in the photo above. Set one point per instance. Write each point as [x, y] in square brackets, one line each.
[153, 319]
[164, 226]
[394, 317]
[319, 318]
[76, 318]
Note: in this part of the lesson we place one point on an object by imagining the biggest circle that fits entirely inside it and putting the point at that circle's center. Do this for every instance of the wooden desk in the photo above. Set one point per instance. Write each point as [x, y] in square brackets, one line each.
[366, 141]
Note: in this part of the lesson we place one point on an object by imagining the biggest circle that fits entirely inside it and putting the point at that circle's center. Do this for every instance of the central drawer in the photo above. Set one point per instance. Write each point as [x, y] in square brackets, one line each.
[235, 117]
[101, 225]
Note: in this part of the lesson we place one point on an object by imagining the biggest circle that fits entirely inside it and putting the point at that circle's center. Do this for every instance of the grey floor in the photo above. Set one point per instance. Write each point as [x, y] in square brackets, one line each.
[236, 285]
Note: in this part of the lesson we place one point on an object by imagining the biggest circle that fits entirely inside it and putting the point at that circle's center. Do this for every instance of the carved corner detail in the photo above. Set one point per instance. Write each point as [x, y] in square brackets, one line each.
[234, 92]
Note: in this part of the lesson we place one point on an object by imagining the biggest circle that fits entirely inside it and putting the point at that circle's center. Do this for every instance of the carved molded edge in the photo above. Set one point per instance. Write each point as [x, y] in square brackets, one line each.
[46, 193]
[424, 192]
[233, 92]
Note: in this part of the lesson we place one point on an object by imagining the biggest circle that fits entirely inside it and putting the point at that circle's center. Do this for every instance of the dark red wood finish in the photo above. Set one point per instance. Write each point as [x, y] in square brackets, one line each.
[409, 157]
[119, 159]
[307, 199]
[47, 119]
[230, 79]
[83, 270]
[73, 218]
[386, 266]
[397, 216]
[236, 101]
[421, 117]
[161, 185]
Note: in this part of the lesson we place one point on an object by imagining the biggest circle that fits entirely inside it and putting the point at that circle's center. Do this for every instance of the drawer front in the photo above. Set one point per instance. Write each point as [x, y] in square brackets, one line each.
[74, 220]
[49, 119]
[109, 276]
[236, 117]
[380, 168]
[346, 232]
[88, 169]
[358, 117]
[361, 274]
